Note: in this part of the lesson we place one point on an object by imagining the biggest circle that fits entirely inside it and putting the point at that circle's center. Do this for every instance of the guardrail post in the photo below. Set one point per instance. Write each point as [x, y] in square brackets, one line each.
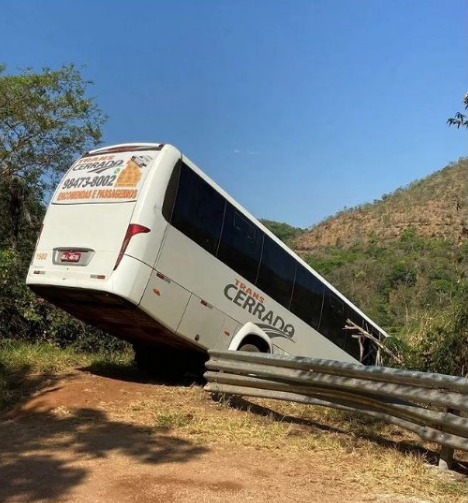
[446, 458]
[446, 452]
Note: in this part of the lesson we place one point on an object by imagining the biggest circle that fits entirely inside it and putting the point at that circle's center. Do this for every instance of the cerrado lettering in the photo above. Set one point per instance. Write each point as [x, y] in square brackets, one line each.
[244, 297]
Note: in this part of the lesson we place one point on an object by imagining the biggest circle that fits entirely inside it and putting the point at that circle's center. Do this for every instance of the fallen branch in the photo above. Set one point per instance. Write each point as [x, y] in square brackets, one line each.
[350, 325]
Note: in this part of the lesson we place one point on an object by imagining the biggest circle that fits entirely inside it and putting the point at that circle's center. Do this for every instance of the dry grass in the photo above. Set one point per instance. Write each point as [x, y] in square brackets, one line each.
[375, 457]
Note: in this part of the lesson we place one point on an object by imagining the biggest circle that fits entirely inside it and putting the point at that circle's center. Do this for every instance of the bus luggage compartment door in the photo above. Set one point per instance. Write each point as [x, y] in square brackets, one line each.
[201, 322]
[165, 300]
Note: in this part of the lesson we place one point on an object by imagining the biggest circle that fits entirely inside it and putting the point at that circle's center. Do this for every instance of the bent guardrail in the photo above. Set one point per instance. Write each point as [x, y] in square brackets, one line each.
[431, 405]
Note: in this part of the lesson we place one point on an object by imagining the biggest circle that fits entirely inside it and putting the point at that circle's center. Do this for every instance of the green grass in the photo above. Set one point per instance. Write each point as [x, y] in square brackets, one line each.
[26, 367]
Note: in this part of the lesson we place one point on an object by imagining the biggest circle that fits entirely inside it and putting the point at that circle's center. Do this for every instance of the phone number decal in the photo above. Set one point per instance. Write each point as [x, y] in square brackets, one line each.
[88, 181]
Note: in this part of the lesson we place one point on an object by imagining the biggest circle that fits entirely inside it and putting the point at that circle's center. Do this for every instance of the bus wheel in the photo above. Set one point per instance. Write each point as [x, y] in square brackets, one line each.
[250, 348]
[143, 358]
[157, 361]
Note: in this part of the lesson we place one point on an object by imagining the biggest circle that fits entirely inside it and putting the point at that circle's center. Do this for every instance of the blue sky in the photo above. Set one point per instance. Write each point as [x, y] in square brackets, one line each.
[297, 108]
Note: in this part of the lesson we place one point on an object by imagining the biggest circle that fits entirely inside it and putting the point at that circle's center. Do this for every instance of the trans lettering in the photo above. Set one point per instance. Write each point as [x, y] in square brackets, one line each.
[253, 303]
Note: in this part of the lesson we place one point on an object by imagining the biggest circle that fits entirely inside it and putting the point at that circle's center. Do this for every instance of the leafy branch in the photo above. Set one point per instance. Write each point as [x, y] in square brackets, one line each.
[459, 119]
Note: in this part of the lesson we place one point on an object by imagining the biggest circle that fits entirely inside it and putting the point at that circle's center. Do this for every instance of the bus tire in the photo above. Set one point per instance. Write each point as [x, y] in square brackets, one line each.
[143, 359]
[250, 348]
[158, 362]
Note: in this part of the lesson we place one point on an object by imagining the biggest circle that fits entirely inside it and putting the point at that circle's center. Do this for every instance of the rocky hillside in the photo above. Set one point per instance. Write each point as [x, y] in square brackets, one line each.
[435, 207]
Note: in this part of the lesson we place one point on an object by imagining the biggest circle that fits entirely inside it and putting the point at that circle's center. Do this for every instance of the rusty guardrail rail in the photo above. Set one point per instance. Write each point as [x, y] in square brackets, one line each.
[431, 405]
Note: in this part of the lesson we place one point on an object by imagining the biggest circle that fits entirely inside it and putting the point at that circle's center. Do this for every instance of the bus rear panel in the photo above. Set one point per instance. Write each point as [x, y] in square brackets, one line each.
[94, 255]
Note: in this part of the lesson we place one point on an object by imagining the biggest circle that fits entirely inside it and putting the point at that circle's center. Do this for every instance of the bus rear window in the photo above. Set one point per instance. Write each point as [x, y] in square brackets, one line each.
[105, 178]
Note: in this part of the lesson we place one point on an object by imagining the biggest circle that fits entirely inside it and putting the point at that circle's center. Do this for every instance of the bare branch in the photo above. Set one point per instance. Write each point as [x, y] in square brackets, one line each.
[350, 325]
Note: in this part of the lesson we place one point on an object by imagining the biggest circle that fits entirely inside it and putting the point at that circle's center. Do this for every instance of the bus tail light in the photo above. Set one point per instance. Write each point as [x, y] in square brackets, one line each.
[133, 230]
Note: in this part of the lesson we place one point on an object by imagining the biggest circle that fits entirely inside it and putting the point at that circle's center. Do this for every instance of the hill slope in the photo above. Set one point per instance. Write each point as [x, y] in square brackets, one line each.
[435, 207]
[403, 261]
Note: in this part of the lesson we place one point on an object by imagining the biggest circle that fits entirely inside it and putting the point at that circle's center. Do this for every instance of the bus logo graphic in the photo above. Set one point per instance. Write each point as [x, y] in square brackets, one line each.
[287, 331]
[131, 174]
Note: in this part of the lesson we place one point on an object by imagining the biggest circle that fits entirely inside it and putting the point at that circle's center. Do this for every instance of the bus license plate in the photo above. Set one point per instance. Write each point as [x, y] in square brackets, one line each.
[70, 256]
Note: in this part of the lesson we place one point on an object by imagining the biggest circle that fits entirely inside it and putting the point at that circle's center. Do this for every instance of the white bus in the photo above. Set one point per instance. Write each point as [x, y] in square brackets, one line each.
[140, 243]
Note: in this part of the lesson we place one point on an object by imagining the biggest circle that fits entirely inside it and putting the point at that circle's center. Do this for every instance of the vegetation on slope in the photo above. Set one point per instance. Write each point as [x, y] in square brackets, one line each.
[415, 288]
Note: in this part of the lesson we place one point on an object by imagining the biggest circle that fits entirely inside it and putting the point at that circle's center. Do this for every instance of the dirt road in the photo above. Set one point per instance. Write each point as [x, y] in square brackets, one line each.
[89, 438]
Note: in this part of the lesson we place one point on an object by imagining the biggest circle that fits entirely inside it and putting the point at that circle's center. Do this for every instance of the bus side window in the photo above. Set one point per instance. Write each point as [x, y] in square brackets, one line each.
[198, 210]
[307, 299]
[241, 244]
[276, 273]
[334, 320]
[171, 193]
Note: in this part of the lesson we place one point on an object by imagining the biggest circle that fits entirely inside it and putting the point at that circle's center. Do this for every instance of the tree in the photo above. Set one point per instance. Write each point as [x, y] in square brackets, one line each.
[46, 120]
[459, 119]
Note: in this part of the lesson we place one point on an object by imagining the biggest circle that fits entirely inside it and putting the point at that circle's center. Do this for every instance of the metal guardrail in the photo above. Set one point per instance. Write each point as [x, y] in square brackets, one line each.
[431, 405]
